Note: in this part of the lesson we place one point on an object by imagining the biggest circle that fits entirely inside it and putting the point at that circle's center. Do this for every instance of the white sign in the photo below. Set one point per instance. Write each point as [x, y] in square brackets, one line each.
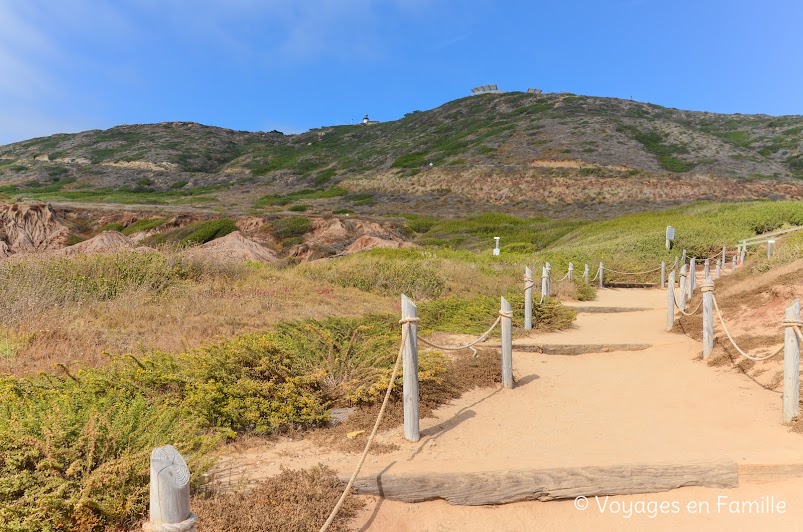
[496, 251]
[670, 233]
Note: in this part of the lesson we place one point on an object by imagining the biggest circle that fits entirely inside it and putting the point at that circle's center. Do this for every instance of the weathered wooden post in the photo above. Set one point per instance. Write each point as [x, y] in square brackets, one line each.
[543, 283]
[691, 280]
[683, 257]
[663, 273]
[601, 273]
[585, 274]
[733, 265]
[169, 493]
[410, 369]
[548, 279]
[707, 269]
[791, 363]
[570, 275]
[707, 289]
[743, 255]
[683, 276]
[770, 244]
[528, 299]
[719, 270]
[670, 302]
[507, 344]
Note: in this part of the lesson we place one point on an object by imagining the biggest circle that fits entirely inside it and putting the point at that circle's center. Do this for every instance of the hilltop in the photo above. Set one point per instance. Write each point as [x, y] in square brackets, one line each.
[550, 154]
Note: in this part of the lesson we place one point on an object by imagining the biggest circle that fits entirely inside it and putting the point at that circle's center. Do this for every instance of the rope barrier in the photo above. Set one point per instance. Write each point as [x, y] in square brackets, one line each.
[470, 344]
[693, 312]
[728, 334]
[405, 332]
[564, 277]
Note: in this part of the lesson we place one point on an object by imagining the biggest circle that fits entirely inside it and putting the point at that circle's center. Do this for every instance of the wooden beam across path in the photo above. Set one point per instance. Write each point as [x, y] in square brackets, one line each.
[629, 285]
[577, 349]
[500, 487]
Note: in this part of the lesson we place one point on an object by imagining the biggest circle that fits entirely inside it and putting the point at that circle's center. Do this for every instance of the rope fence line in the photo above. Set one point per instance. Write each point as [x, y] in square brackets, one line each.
[733, 342]
[471, 344]
[693, 312]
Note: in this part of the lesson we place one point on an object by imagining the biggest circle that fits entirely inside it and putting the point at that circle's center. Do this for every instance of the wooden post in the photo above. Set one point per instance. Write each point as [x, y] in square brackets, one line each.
[743, 255]
[770, 244]
[683, 257]
[528, 299]
[733, 265]
[507, 344]
[548, 279]
[682, 302]
[707, 269]
[708, 316]
[670, 302]
[791, 364]
[585, 274]
[692, 278]
[543, 283]
[663, 273]
[571, 272]
[719, 270]
[601, 273]
[724, 256]
[410, 371]
[169, 492]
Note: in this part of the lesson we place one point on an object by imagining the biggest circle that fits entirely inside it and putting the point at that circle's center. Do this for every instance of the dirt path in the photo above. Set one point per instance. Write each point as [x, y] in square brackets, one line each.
[654, 406]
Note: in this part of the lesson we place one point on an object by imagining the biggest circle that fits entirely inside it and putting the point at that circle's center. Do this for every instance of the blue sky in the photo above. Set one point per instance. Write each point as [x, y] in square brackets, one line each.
[71, 65]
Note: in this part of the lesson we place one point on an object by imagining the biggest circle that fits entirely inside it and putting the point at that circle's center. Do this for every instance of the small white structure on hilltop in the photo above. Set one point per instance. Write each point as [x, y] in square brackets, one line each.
[367, 122]
[534, 91]
[486, 89]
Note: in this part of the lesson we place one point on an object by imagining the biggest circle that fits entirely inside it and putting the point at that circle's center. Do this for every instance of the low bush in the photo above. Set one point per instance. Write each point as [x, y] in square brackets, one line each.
[293, 226]
[196, 233]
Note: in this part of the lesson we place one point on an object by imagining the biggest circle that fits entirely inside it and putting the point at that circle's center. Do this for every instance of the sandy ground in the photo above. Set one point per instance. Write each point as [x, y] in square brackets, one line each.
[659, 405]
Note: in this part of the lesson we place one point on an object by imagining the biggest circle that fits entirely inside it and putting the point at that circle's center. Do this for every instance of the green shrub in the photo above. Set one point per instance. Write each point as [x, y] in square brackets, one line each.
[179, 184]
[114, 226]
[143, 225]
[195, 233]
[298, 208]
[294, 226]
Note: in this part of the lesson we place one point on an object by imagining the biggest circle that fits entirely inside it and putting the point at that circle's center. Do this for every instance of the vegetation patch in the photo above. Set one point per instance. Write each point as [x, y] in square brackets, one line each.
[290, 227]
[195, 233]
[143, 225]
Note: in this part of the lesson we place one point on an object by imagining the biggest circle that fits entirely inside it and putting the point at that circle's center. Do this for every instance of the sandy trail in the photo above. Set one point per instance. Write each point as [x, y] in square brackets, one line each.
[660, 405]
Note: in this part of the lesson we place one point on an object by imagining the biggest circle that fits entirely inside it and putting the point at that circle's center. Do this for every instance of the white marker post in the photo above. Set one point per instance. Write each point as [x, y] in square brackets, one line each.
[496, 246]
[670, 237]
[770, 244]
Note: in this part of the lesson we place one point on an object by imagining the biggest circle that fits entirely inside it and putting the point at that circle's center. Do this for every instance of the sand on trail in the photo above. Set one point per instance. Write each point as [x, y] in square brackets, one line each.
[659, 405]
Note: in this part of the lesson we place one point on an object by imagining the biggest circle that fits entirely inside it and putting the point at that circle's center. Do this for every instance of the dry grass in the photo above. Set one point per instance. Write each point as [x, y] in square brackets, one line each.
[216, 304]
[291, 501]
